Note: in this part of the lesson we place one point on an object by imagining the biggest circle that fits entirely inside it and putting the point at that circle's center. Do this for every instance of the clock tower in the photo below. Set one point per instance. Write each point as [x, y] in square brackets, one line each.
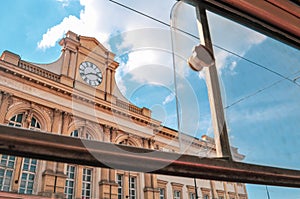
[88, 66]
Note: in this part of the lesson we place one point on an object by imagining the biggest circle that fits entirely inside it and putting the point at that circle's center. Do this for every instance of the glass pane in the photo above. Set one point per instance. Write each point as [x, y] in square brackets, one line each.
[260, 85]
[33, 161]
[33, 168]
[259, 76]
[8, 173]
[31, 177]
[11, 164]
[70, 191]
[23, 184]
[6, 182]
[3, 162]
[33, 121]
[13, 118]
[30, 185]
[25, 167]
[19, 118]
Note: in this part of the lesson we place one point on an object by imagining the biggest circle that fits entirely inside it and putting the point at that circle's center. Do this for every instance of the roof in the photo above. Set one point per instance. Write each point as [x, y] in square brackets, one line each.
[276, 18]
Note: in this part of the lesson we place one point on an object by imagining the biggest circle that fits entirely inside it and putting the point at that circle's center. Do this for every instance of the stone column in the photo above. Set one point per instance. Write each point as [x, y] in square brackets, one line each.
[64, 131]
[113, 83]
[108, 81]
[72, 65]
[113, 184]
[53, 178]
[104, 180]
[213, 189]
[236, 191]
[17, 174]
[126, 184]
[78, 184]
[107, 185]
[55, 128]
[104, 187]
[106, 133]
[66, 62]
[226, 190]
[151, 189]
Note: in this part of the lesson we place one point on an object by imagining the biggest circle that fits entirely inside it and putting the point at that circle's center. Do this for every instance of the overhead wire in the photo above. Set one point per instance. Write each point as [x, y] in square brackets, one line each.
[221, 48]
[259, 91]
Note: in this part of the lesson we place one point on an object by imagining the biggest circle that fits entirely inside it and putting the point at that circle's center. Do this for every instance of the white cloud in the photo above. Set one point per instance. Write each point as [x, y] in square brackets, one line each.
[52, 35]
[100, 18]
[169, 98]
[147, 66]
[232, 65]
[64, 2]
[233, 37]
[262, 114]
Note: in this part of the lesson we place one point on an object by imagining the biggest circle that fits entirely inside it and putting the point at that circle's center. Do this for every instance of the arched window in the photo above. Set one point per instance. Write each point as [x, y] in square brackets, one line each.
[74, 133]
[86, 174]
[28, 167]
[82, 133]
[16, 120]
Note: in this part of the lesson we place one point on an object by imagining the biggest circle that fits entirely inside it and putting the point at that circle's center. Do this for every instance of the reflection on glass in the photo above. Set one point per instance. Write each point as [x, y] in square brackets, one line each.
[261, 90]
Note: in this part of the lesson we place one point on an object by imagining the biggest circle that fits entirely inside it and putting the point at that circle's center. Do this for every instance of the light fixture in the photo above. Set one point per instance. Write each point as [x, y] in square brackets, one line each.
[201, 57]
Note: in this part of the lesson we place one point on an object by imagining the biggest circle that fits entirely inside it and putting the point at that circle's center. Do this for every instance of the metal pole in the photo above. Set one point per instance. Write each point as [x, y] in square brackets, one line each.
[213, 87]
[196, 189]
[52, 147]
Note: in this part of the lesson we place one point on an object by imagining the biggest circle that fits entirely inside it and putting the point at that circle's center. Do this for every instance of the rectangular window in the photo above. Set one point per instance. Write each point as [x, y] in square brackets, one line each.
[5, 179]
[28, 176]
[192, 195]
[205, 197]
[86, 183]
[161, 193]
[120, 186]
[176, 194]
[132, 187]
[70, 182]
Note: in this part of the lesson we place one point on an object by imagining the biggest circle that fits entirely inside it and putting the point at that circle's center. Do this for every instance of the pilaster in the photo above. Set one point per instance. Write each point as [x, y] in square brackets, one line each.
[151, 190]
[53, 184]
[108, 81]
[5, 102]
[126, 184]
[213, 189]
[17, 173]
[226, 190]
[78, 185]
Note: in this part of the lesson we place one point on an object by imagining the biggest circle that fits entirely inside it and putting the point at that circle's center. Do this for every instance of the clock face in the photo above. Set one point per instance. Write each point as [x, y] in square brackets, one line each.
[90, 73]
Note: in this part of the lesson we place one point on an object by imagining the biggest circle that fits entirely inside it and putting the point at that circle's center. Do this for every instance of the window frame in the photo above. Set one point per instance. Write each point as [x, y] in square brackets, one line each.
[85, 183]
[6, 168]
[68, 180]
[177, 188]
[134, 188]
[120, 183]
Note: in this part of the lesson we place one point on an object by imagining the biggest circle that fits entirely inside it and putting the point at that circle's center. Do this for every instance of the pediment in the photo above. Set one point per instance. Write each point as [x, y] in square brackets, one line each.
[93, 45]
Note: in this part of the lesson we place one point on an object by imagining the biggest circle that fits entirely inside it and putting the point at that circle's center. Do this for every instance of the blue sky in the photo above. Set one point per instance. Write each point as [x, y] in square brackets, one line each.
[263, 124]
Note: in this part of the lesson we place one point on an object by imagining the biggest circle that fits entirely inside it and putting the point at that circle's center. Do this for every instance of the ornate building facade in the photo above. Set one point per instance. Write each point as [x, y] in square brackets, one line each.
[77, 96]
